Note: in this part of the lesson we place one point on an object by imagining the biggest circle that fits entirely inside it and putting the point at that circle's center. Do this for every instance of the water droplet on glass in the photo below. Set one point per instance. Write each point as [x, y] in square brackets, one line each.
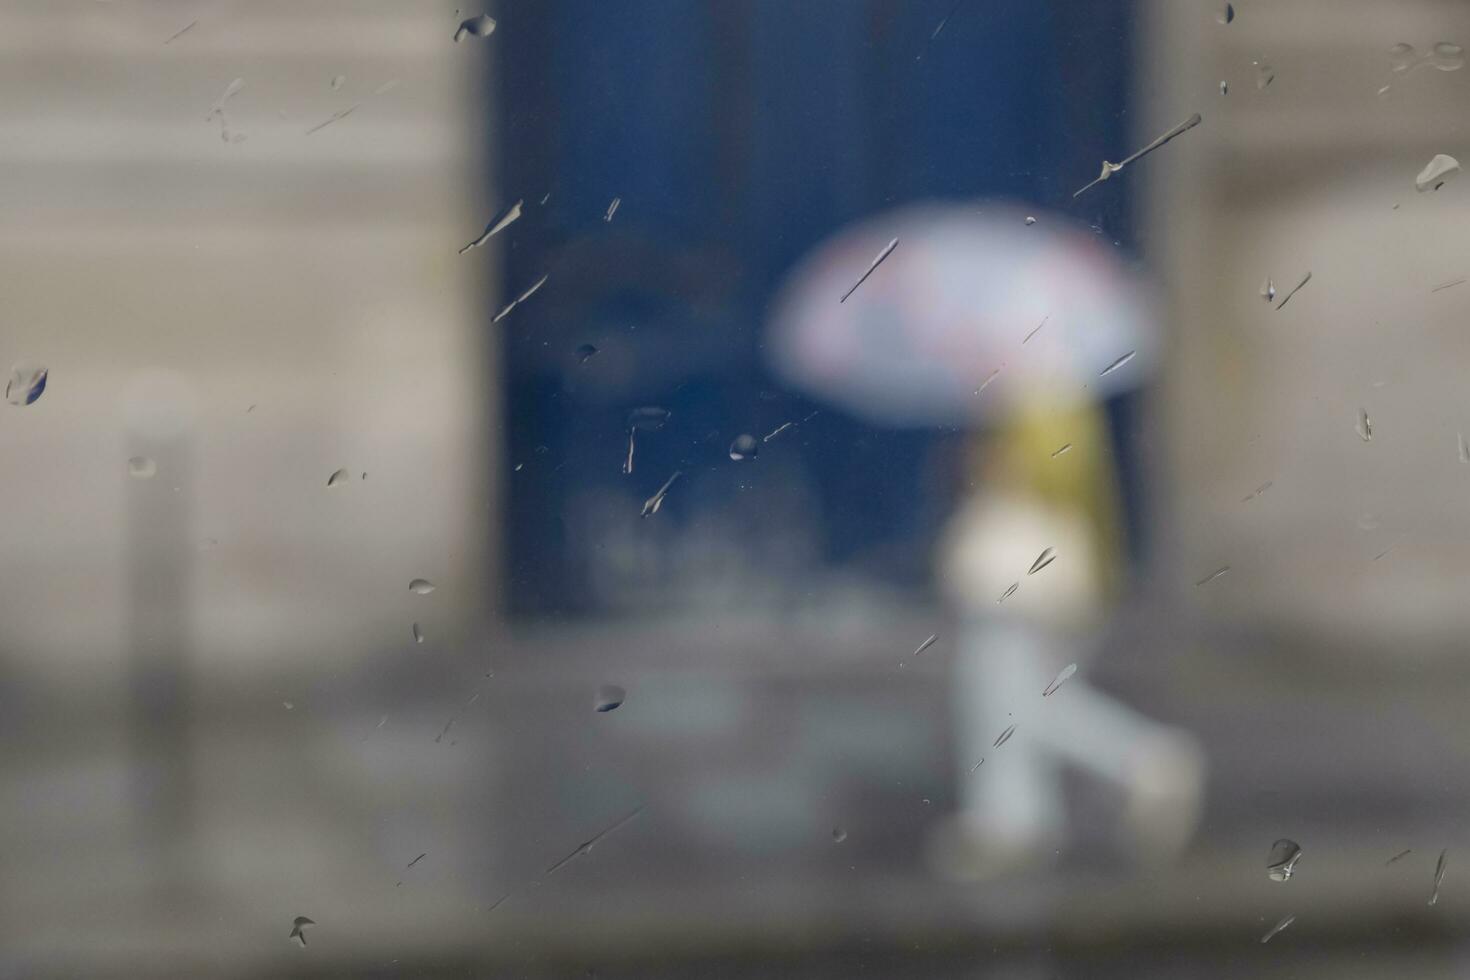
[1004, 736]
[1436, 173]
[612, 209]
[481, 26]
[1030, 220]
[744, 447]
[1440, 867]
[1265, 75]
[1224, 87]
[337, 81]
[584, 352]
[338, 478]
[1281, 862]
[1278, 927]
[27, 383]
[1464, 449]
[142, 467]
[1364, 426]
[1226, 15]
[418, 634]
[1268, 290]
[1451, 57]
[1047, 556]
[1118, 363]
[609, 696]
[1444, 56]
[1061, 678]
[648, 418]
[421, 586]
[299, 925]
[838, 835]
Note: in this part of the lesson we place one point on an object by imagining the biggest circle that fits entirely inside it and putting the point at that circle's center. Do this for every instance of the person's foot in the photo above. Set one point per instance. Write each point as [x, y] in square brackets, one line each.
[1165, 794]
[963, 849]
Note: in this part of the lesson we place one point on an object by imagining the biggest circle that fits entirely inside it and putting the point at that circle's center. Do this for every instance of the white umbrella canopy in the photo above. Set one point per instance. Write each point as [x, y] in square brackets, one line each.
[937, 334]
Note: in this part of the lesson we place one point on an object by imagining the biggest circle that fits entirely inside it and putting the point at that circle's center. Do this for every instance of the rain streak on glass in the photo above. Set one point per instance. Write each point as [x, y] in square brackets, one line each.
[1278, 927]
[1108, 169]
[1008, 592]
[1281, 862]
[1066, 447]
[1265, 75]
[649, 418]
[1268, 290]
[521, 298]
[1212, 576]
[481, 26]
[1061, 678]
[141, 467]
[887, 251]
[338, 478]
[612, 209]
[926, 644]
[502, 220]
[1287, 298]
[1004, 736]
[1440, 867]
[1118, 363]
[27, 383]
[1436, 173]
[652, 504]
[609, 696]
[585, 847]
[1464, 449]
[1364, 426]
[421, 586]
[1047, 556]
[1399, 856]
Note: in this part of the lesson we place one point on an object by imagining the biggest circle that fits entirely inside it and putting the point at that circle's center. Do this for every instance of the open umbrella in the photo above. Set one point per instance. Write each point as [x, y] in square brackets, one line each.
[944, 331]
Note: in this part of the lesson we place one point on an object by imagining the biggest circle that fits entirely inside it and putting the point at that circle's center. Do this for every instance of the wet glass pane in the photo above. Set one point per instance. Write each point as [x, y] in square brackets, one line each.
[726, 488]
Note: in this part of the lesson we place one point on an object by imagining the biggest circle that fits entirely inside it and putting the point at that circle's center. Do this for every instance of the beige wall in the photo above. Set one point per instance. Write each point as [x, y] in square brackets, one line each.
[1316, 173]
[313, 276]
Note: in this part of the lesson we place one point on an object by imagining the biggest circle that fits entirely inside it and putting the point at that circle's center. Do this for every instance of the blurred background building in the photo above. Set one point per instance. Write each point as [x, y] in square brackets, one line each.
[223, 707]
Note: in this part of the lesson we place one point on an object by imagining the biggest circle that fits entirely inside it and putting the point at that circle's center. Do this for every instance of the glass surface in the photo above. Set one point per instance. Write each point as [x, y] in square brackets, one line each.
[733, 488]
